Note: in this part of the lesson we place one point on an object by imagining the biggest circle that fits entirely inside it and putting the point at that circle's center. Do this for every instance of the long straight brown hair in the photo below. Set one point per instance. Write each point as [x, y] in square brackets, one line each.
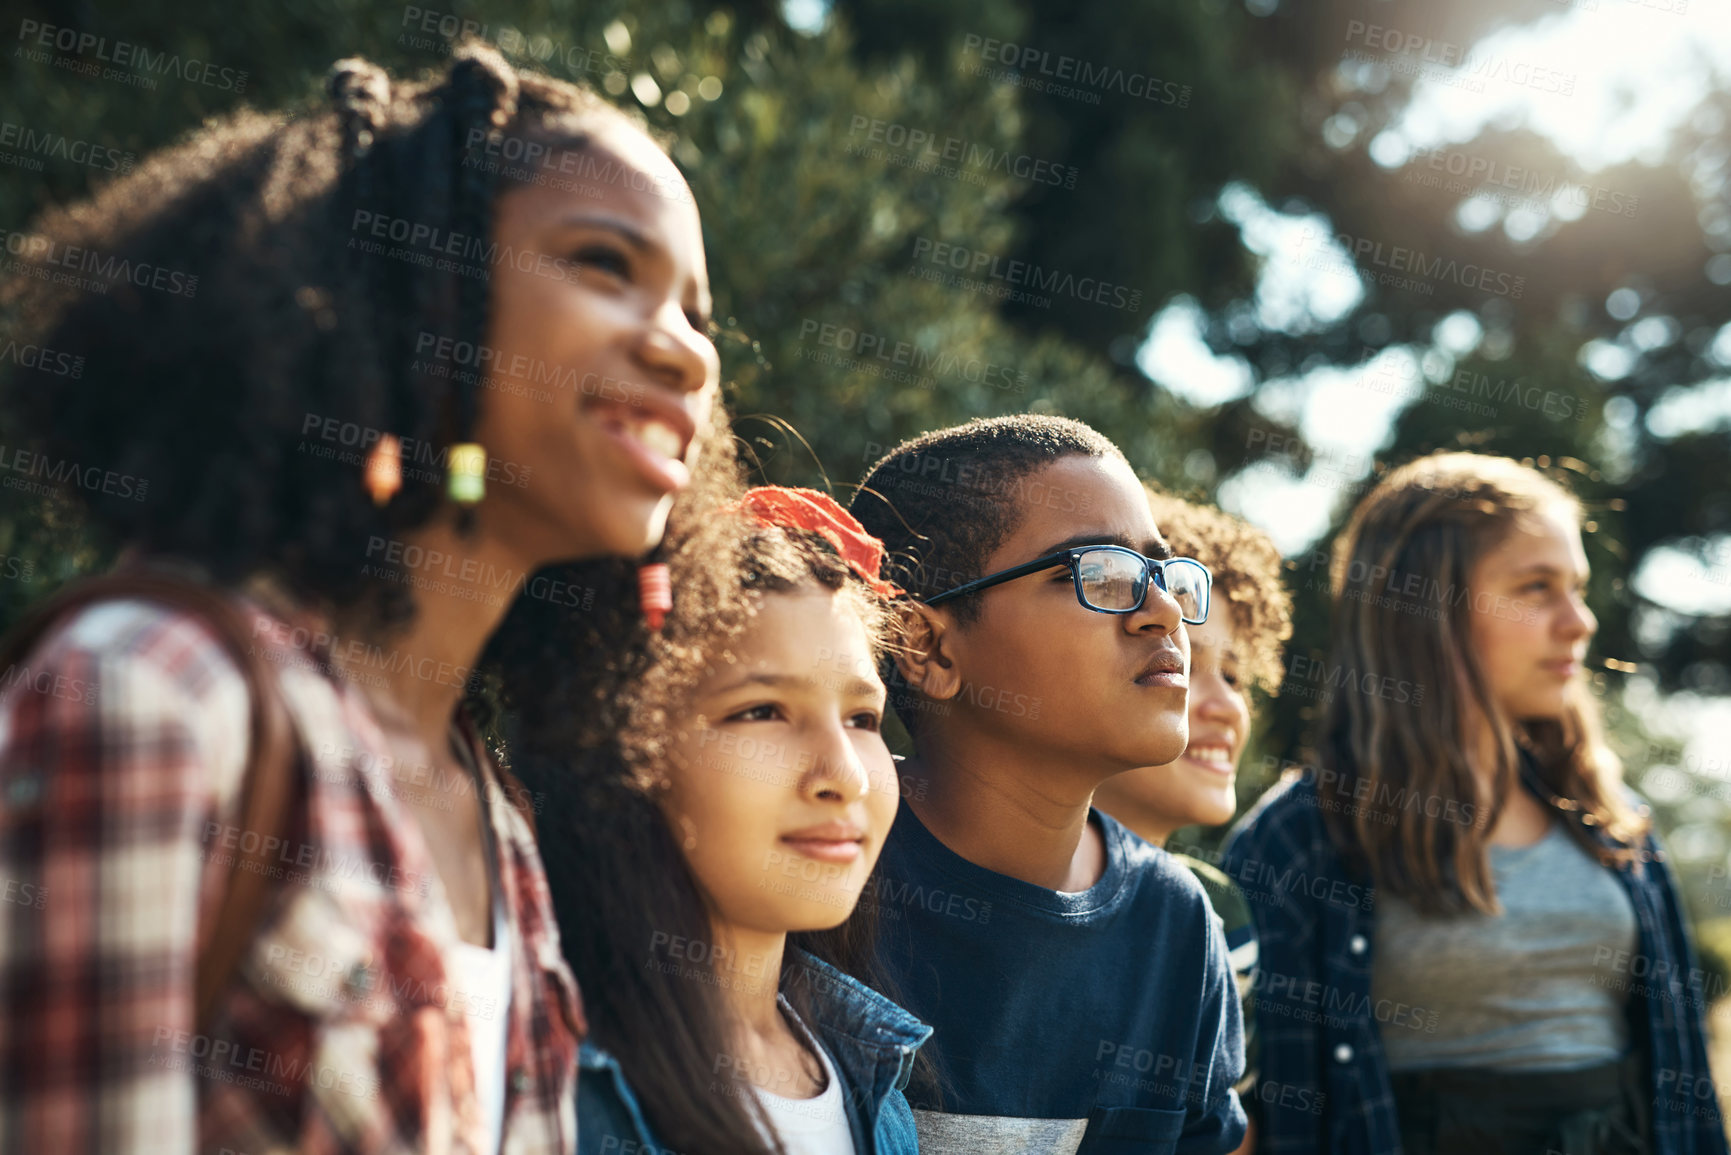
[1413, 697]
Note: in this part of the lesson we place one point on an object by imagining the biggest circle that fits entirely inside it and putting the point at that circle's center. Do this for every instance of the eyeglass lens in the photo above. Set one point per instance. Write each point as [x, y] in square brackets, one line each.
[1112, 580]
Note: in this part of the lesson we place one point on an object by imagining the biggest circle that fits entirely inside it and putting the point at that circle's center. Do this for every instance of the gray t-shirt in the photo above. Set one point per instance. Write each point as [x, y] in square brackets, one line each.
[1517, 991]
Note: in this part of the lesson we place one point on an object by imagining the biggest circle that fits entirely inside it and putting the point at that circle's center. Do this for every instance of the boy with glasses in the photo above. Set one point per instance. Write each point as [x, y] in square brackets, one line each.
[1076, 977]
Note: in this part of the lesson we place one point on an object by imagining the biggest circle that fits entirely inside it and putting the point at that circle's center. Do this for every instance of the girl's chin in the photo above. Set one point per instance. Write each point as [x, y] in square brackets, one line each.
[816, 916]
[1544, 710]
[634, 526]
[1212, 807]
[1216, 817]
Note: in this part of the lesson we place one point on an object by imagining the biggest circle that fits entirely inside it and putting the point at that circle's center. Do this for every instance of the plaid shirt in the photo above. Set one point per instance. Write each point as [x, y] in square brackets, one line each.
[122, 747]
[1326, 1084]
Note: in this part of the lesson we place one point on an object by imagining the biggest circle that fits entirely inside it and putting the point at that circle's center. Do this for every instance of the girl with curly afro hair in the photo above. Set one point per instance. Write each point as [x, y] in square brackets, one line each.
[1235, 654]
[373, 378]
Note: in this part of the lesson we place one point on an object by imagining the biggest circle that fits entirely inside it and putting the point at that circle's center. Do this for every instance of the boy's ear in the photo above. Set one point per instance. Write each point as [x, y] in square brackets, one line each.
[926, 656]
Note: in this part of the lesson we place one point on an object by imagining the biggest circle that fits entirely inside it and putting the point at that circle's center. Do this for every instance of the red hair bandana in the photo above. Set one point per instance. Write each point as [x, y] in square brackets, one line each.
[818, 513]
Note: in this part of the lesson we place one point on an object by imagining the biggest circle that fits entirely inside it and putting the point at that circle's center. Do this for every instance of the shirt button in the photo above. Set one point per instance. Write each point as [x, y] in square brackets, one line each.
[360, 978]
[1357, 944]
[1343, 1054]
[520, 1081]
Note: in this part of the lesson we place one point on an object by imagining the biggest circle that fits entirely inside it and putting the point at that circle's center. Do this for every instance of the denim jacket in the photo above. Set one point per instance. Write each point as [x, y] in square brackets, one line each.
[871, 1042]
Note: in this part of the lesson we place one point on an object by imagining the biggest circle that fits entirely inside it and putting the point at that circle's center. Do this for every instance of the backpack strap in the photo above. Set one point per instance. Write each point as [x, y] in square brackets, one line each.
[268, 784]
[475, 747]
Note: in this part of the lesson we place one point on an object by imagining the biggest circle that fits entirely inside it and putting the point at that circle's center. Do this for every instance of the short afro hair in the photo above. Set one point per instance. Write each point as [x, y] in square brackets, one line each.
[1246, 568]
[944, 501]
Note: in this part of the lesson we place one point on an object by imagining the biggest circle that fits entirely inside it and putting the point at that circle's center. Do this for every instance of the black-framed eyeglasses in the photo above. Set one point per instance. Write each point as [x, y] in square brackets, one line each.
[1111, 579]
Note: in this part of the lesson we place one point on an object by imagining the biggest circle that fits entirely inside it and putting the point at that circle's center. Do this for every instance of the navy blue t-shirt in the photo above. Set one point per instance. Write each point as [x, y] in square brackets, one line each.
[1100, 1022]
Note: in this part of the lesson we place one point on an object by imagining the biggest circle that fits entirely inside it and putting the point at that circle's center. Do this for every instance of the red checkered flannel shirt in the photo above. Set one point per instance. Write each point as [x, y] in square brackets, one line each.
[122, 746]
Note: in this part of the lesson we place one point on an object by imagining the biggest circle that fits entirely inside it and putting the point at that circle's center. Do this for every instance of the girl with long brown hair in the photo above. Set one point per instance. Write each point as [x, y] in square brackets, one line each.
[1470, 936]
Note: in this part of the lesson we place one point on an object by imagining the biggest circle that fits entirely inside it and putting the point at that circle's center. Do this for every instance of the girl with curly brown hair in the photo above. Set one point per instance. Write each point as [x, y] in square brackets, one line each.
[1235, 653]
[711, 861]
[429, 339]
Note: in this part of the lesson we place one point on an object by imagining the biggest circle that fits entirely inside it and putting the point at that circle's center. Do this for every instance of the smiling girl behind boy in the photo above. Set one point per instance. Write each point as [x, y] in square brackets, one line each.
[758, 797]
[1236, 652]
